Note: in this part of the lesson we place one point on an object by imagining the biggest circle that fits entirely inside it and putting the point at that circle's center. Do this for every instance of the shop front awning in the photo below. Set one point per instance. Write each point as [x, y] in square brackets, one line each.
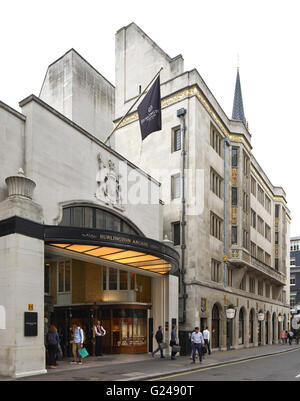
[124, 249]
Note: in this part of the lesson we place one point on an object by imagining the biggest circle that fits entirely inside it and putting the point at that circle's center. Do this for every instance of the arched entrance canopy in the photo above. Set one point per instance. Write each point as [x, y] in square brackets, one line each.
[125, 249]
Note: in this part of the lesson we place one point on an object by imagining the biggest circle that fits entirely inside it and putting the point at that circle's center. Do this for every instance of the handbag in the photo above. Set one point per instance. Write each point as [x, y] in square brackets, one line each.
[163, 345]
[176, 348]
[83, 353]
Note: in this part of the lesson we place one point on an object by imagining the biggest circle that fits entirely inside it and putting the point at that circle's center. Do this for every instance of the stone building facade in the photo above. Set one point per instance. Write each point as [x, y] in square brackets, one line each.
[234, 236]
[77, 241]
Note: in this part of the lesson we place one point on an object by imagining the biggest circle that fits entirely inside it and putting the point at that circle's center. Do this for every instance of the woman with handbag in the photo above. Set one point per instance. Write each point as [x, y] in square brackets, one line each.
[173, 341]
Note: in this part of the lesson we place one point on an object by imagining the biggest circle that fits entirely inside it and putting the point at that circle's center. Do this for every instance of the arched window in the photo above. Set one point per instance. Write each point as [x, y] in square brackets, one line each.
[94, 217]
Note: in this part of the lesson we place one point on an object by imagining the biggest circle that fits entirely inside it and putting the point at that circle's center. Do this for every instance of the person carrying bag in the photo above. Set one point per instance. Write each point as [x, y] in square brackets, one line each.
[174, 342]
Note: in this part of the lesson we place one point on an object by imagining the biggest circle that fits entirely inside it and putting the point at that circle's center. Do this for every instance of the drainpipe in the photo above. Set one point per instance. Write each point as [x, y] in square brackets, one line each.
[226, 143]
[181, 114]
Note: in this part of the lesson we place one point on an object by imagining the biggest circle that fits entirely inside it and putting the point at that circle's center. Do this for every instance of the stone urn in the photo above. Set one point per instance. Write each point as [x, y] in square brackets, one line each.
[20, 186]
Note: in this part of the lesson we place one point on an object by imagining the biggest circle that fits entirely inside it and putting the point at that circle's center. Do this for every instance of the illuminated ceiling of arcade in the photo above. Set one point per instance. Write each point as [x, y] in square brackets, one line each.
[139, 260]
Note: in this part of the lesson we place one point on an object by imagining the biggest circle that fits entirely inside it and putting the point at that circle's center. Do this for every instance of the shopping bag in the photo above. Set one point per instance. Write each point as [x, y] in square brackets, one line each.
[83, 353]
[163, 345]
[176, 348]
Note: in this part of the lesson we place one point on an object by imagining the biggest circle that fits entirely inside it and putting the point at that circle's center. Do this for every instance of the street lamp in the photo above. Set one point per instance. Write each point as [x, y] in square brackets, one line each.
[261, 316]
[230, 313]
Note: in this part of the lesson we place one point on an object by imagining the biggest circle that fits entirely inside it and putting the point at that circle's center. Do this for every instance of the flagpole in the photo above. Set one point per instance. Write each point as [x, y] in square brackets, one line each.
[122, 119]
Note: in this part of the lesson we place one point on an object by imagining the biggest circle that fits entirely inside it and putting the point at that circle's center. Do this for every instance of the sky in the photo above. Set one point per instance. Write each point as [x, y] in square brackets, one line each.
[211, 35]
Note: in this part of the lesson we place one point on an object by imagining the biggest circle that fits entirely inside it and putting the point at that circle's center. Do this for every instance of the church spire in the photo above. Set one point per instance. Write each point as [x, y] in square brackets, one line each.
[238, 108]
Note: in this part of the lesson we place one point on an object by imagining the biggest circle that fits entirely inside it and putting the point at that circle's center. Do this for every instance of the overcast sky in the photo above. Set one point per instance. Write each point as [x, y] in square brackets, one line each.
[208, 33]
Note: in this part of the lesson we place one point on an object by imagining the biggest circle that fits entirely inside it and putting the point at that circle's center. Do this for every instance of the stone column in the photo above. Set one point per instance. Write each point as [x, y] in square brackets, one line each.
[21, 280]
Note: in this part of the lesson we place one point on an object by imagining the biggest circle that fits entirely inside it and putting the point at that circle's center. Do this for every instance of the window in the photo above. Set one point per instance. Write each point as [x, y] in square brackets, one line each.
[260, 195]
[276, 211]
[252, 285]
[245, 239]
[253, 186]
[175, 186]
[243, 283]
[234, 196]
[229, 277]
[276, 264]
[260, 225]
[292, 280]
[216, 140]
[123, 280]
[267, 259]
[176, 233]
[267, 232]
[253, 218]
[215, 183]
[234, 157]
[260, 254]
[268, 204]
[47, 275]
[276, 238]
[215, 270]
[260, 288]
[293, 262]
[246, 163]
[176, 139]
[245, 202]
[215, 226]
[93, 217]
[113, 279]
[253, 249]
[104, 278]
[234, 235]
[64, 276]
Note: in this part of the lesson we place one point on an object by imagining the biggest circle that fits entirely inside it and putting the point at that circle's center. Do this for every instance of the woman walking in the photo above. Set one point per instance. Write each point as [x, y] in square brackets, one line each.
[52, 346]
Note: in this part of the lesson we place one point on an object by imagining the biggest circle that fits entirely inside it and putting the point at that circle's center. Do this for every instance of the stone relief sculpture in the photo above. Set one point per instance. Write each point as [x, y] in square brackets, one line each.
[108, 183]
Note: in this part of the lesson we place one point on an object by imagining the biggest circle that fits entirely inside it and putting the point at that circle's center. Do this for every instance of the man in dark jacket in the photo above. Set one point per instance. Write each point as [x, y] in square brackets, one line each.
[159, 339]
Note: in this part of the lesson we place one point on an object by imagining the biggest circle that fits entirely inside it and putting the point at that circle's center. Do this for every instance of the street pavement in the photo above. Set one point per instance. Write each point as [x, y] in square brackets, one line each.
[142, 367]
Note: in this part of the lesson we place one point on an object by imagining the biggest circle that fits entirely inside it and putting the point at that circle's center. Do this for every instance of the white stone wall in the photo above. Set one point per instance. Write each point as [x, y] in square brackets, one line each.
[63, 161]
[12, 145]
[74, 88]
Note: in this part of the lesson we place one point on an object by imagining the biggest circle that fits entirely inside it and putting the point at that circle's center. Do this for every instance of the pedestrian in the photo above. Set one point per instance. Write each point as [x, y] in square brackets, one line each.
[159, 338]
[174, 340]
[77, 343]
[99, 333]
[206, 337]
[286, 336]
[198, 342]
[52, 346]
[282, 337]
[290, 336]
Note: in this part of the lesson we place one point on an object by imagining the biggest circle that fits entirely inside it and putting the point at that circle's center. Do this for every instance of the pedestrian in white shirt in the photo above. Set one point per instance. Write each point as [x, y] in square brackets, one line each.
[206, 337]
[77, 343]
[198, 342]
[99, 333]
